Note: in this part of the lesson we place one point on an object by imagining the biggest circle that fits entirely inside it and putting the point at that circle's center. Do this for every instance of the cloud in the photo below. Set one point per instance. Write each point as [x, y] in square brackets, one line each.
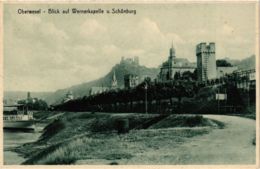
[33, 50]
[151, 35]
[55, 52]
[33, 28]
[112, 41]
[110, 49]
[135, 52]
[92, 29]
[228, 30]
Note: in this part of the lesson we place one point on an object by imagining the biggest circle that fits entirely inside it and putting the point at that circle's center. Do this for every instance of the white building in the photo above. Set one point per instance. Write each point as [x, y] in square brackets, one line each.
[174, 65]
[222, 71]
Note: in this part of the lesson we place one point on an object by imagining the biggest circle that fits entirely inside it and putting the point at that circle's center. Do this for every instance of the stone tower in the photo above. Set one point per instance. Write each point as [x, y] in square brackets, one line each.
[28, 95]
[114, 81]
[136, 60]
[206, 61]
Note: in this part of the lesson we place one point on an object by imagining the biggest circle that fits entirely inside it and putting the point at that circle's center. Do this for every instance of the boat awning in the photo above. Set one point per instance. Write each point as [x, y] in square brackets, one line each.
[10, 109]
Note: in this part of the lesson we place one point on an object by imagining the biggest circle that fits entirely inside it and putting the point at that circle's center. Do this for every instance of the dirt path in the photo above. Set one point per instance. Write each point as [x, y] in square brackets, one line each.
[231, 145]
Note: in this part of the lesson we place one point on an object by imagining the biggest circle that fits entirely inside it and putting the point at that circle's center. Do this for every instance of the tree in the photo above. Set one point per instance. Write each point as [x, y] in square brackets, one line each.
[195, 74]
[223, 63]
[35, 104]
[187, 75]
[177, 76]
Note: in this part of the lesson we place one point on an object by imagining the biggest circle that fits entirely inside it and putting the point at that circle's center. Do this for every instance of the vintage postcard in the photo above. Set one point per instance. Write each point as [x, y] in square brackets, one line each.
[161, 84]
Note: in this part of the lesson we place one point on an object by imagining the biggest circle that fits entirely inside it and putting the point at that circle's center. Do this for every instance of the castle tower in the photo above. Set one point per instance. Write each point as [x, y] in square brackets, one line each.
[136, 60]
[131, 80]
[114, 81]
[122, 59]
[206, 61]
[28, 95]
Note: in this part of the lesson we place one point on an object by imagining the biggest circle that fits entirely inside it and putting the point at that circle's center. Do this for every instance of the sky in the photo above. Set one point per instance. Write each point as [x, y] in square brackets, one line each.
[47, 52]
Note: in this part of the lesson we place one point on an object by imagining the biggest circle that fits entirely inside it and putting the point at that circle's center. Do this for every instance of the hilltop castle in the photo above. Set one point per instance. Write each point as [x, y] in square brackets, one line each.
[132, 61]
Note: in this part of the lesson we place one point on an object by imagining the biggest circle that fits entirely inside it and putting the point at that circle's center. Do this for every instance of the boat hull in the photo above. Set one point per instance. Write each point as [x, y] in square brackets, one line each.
[19, 125]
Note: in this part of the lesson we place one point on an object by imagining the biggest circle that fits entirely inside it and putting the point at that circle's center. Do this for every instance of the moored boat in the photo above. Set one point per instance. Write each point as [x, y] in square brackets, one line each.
[18, 117]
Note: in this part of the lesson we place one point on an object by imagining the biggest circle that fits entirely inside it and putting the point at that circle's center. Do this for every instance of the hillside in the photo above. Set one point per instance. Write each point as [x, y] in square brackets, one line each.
[16, 95]
[247, 63]
[81, 134]
[120, 69]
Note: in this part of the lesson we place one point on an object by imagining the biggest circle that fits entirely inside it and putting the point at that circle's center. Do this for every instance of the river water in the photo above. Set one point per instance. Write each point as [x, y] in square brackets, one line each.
[14, 138]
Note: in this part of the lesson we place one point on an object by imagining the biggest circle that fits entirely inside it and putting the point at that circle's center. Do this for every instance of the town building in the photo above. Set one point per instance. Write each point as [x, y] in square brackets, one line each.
[130, 81]
[206, 61]
[174, 65]
[222, 71]
[246, 79]
[97, 89]
[69, 96]
[29, 98]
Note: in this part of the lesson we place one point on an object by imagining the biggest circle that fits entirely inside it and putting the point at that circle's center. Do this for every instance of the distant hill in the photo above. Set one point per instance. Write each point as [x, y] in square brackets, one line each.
[247, 63]
[17, 95]
[120, 69]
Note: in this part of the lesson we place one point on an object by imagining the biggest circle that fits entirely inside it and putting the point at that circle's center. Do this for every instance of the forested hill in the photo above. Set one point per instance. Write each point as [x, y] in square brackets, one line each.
[247, 63]
[120, 70]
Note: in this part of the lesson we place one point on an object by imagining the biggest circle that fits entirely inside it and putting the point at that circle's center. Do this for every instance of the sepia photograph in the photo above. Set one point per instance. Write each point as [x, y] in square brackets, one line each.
[130, 83]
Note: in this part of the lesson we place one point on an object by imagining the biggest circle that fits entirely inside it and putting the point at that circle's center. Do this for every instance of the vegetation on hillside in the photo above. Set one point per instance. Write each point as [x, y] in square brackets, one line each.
[88, 136]
[184, 95]
[223, 63]
[35, 104]
[119, 69]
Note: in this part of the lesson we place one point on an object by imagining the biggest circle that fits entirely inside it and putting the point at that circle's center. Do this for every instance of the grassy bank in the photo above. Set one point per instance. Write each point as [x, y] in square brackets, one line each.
[87, 137]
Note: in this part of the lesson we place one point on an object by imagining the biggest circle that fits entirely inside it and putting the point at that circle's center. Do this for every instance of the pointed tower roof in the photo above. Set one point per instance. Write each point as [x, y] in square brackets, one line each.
[114, 81]
[114, 76]
[172, 52]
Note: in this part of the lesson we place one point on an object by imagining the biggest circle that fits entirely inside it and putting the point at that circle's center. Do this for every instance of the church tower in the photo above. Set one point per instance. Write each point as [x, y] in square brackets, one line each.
[172, 53]
[171, 63]
[114, 81]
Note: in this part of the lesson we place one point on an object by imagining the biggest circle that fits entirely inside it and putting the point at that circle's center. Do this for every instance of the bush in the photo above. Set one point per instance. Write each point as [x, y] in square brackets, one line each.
[122, 125]
[102, 125]
[193, 121]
